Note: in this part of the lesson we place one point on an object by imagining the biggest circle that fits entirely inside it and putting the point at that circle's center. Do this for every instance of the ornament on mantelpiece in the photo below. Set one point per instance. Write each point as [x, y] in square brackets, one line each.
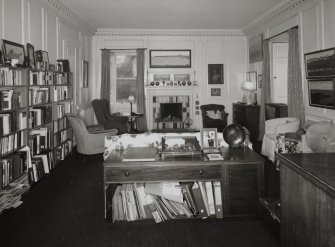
[244, 99]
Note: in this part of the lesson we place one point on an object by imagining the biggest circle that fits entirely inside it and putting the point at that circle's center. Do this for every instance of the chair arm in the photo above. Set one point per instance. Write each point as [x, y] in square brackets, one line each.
[287, 127]
[95, 127]
[106, 132]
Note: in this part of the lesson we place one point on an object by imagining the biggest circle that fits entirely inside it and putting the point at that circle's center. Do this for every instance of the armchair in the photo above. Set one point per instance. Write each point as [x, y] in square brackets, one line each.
[88, 141]
[109, 121]
[273, 127]
[214, 116]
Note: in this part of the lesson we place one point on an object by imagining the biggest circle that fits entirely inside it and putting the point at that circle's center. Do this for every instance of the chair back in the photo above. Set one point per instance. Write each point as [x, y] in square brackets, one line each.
[208, 122]
[79, 130]
[101, 110]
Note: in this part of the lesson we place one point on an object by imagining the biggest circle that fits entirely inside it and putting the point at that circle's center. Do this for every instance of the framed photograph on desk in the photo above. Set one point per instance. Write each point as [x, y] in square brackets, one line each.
[209, 140]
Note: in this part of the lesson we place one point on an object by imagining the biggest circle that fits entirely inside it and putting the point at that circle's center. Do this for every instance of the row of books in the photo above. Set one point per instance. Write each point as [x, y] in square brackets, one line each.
[10, 99]
[11, 168]
[166, 200]
[62, 136]
[12, 77]
[12, 121]
[39, 115]
[60, 124]
[39, 140]
[60, 93]
[12, 142]
[41, 165]
[40, 78]
[39, 95]
[63, 151]
[61, 109]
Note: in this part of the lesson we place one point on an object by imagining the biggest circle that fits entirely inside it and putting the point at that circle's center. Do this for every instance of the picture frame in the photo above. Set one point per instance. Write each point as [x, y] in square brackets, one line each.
[170, 58]
[12, 50]
[85, 74]
[321, 92]
[320, 64]
[215, 74]
[215, 92]
[256, 49]
[252, 77]
[260, 81]
[209, 139]
[31, 55]
[1, 58]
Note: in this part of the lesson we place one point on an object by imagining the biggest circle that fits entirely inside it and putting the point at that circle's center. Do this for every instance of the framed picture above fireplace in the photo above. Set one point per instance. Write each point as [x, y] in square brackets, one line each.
[170, 58]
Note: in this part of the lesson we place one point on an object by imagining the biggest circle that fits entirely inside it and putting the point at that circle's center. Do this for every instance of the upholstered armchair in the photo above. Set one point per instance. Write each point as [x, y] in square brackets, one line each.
[214, 116]
[273, 127]
[88, 141]
[108, 120]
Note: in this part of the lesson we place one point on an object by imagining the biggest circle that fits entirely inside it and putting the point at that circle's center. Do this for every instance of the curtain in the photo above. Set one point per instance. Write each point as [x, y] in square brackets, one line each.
[266, 88]
[295, 101]
[105, 75]
[140, 95]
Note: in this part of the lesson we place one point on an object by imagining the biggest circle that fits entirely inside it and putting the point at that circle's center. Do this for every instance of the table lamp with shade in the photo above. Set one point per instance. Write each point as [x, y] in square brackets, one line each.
[249, 89]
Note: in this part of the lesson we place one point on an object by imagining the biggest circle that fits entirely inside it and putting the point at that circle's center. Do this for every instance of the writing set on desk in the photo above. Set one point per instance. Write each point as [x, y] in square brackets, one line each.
[214, 156]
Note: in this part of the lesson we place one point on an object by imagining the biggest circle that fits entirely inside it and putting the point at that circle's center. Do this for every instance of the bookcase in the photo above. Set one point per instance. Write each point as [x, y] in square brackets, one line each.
[237, 181]
[34, 133]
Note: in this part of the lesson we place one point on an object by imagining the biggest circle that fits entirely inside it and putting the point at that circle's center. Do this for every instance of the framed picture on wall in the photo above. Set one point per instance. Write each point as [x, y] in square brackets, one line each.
[170, 58]
[256, 49]
[215, 74]
[85, 74]
[215, 91]
[13, 50]
[320, 63]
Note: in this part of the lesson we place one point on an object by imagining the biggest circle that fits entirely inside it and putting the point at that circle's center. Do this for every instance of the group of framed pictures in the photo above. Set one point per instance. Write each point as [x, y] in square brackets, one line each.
[25, 57]
[320, 72]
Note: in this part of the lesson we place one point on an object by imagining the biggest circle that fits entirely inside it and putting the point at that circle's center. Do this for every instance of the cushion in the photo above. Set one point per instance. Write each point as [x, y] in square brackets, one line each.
[214, 114]
[320, 135]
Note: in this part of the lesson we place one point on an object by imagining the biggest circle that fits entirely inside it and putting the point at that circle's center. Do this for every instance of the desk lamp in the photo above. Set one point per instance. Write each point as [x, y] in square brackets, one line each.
[249, 89]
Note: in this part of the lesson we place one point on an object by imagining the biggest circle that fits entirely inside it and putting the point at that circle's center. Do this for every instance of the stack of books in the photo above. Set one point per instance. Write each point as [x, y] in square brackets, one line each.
[167, 200]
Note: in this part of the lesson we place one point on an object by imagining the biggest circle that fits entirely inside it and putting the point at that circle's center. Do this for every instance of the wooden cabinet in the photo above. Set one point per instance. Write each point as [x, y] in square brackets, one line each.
[307, 200]
[247, 116]
[240, 174]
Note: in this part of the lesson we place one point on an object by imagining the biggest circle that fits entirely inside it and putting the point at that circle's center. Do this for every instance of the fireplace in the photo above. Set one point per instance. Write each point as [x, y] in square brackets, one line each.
[171, 112]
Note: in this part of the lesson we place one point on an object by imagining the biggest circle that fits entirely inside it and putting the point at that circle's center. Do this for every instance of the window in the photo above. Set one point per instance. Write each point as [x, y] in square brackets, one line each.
[124, 67]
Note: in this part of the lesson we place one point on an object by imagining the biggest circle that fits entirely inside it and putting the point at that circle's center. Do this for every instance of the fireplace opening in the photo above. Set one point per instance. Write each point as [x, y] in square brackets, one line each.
[171, 112]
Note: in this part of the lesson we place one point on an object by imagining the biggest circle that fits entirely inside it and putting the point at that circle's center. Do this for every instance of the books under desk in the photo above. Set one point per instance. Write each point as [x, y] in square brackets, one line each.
[161, 201]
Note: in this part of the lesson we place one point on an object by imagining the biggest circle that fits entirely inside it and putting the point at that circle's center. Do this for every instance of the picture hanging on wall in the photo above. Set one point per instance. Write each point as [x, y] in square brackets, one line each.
[256, 49]
[85, 74]
[170, 58]
[215, 74]
[320, 63]
[215, 91]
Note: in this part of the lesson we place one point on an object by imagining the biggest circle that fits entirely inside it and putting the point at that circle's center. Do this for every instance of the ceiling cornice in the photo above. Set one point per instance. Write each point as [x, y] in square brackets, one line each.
[169, 32]
[68, 15]
[282, 9]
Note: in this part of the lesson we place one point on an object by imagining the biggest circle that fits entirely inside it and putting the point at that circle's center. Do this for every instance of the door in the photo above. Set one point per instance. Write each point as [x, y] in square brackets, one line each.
[279, 72]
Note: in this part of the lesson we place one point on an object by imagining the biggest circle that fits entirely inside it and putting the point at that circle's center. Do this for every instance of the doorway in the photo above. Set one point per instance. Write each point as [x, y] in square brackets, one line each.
[279, 72]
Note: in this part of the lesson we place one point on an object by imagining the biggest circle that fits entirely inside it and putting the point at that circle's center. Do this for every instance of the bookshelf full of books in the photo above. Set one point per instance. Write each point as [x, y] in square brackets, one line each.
[13, 136]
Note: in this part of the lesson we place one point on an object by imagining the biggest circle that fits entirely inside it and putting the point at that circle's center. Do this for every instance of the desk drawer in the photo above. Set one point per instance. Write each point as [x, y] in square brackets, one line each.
[180, 173]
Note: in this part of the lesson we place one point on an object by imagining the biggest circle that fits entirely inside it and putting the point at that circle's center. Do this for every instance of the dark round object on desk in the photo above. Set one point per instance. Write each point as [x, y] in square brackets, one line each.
[234, 135]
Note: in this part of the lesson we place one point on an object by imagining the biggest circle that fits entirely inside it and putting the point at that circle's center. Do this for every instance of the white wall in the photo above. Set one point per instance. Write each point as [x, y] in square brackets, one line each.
[316, 21]
[51, 28]
[221, 47]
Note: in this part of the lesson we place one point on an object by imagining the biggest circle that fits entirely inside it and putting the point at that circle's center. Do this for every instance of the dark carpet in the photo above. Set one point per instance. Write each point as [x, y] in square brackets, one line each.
[66, 209]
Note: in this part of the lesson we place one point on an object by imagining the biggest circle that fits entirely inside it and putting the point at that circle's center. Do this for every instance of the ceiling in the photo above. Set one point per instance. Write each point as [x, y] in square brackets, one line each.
[170, 14]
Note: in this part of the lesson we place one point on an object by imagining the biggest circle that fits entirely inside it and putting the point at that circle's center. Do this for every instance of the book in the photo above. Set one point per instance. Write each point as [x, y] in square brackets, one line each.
[199, 200]
[218, 199]
[139, 154]
[210, 197]
[214, 156]
[204, 195]
[189, 199]
[168, 190]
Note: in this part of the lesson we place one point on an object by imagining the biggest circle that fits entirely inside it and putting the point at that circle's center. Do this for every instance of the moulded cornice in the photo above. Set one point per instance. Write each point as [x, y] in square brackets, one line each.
[69, 15]
[169, 32]
[282, 9]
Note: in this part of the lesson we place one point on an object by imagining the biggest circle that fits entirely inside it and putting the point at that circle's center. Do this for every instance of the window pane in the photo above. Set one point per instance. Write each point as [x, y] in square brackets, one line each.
[125, 88]
[126, 66]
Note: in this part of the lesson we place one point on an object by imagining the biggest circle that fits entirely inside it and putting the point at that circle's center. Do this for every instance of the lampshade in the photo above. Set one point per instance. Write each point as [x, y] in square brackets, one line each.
[131, 99]
[248, 86]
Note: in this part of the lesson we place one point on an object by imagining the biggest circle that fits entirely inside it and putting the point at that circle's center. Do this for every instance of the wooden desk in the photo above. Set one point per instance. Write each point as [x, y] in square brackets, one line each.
[307, 191]
[240, 173]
